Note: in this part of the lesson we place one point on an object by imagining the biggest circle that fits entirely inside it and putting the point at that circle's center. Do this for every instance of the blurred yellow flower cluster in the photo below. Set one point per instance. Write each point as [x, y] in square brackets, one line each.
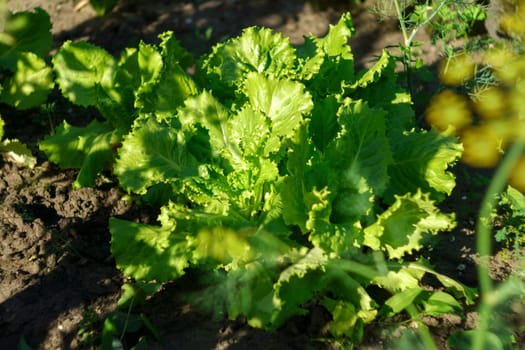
[492, 116]
[513, 23]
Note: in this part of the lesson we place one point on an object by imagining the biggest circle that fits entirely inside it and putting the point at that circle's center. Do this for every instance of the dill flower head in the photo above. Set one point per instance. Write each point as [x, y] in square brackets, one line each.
[513, 23]
[449, 109]
[517, 176]
[482, 147]
[456, 70]
[491, 103]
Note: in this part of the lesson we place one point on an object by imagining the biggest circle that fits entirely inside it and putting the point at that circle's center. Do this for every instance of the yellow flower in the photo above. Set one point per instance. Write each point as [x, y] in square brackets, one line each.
[513, 72]
[516, 130]
[513, 23]
[498, 57]
[482, 147]
[491, 103]
[449, 109]
[456, 70]
[517, 100]
[517, 176]
[508, 67]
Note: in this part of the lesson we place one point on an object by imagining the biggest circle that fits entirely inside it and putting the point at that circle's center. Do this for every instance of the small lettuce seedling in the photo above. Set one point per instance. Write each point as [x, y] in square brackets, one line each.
[25, 42]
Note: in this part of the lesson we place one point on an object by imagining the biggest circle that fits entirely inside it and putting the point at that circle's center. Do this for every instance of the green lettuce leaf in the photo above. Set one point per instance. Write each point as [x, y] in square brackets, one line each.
[251, 130]
[400, 301]
[338, 238]
[458, 289]
[138, 70]
[421, 160]
[30, 84]
[147, 252]
[256, 50]
[294, 286]
[173, 85]
[335, 42]
[328, 62]
[83, 70]
[383, 68]
[361, 150]
[89, 149]
[353, 170]
[292, 188]
[25, 32]
[151, 154]
[439, 303]
[349, 303]
[205, 110]
[324, 125]
[284, 102]
[17, 152]
[400, 229]
[173, 51]
[103, 7]
[378, 86]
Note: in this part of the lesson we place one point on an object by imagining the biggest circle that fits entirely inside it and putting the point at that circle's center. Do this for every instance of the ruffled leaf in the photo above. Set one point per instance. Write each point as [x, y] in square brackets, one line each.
[328, 62]
[284, 102]
[361, 150]
[30, 84]
[147, 252]
[89, 149]
[400, 229]
[294, 286]
[151, 154]
[420, 162]
[17, 152]
[25, 32]
[82, 71]
[173, 85]
[256, 50]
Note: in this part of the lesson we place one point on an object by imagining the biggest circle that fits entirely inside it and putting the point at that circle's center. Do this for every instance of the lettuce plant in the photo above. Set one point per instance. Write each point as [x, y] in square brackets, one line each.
[25, 41]
[25, 77]
[288, 177]
[143, 80]
[15, 150]
[282, 174]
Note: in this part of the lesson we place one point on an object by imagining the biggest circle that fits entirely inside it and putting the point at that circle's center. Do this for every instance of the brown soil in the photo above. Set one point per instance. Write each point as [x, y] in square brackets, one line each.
[56, 271]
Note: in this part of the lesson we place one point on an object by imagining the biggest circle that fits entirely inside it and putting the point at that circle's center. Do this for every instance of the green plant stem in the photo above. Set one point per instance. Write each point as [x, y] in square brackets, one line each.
[401, 19]
[407, 46]
[484, 245]
[125, 328]
[423, 331]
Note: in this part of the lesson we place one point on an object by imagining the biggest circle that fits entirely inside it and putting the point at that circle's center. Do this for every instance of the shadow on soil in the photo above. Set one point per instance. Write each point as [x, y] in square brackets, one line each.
[55, 258]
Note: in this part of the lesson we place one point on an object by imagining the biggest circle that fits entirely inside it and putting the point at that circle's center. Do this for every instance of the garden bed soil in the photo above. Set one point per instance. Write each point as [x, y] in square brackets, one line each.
[57, 276]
